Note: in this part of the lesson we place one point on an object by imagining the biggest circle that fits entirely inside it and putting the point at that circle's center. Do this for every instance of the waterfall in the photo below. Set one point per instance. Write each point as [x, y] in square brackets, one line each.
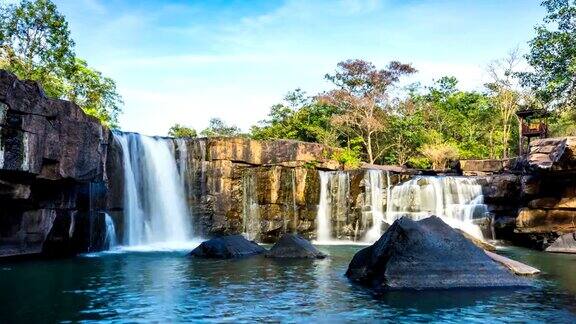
[324, 222]
[155, 208]
[294, 205]
[375, 183]
[333, 204]
[182, 162]
[456, 200]
[250, 207]
[110, 239]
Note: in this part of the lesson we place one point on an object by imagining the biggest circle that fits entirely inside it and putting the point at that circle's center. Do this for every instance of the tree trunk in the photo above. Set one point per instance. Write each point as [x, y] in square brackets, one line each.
[369, 149]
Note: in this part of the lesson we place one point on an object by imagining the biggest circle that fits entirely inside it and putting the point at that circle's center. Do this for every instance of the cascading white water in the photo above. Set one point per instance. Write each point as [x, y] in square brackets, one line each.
[333, 204]
[250, 208]
[182, 161]
[375, 181]
[456, 200]
[154, 201]
[110, 239]
[323, 219]
[294, 206]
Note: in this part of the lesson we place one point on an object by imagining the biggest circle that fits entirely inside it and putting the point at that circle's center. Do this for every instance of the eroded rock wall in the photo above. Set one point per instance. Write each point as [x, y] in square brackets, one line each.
[535, 202]
[262, 188]
[52, 174]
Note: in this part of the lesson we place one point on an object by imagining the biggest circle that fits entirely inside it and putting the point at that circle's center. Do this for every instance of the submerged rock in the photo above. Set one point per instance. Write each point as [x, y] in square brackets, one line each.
[427, 254]
[294, 246]
[564, 244]
[227, 247]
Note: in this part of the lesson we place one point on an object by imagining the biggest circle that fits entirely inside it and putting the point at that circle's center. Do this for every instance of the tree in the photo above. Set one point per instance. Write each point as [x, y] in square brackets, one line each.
[440, 154]
[553, 56]
[94, 93]
[217, 127]
[506, 95]
[179, 131]
[405, 132]
[362, 93]
[35, 44]
[298, 117]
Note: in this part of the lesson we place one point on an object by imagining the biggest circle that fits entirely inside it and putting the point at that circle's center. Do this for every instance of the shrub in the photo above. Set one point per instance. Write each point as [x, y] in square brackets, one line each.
[440, 154]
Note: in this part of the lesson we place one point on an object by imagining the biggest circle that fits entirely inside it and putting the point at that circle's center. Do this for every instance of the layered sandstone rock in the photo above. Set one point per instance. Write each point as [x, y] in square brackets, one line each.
[549, 191]
[52, 159]
[553, 154]
[486, 167]
[267, 188]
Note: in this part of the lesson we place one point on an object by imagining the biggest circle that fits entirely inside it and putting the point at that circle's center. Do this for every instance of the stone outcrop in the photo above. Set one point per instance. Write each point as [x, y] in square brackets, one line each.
[553, 154]
[268, 188]
[564, 244]
[549, 191]
[533, 200]
[52, 173]
[227, 247]
[292, 246]
[427, 254]
[486, 167]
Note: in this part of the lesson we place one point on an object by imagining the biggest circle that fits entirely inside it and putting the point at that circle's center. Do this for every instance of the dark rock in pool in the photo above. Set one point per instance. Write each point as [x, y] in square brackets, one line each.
[227, 247]
[294, 246]
[564, 244]
[427, 254]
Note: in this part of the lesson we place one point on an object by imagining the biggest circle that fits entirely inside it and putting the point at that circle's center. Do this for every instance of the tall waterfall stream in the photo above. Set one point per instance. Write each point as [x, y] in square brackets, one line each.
[155, 208]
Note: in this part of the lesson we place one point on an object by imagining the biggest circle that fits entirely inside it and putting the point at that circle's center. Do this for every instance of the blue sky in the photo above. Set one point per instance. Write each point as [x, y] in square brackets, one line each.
[187, 61]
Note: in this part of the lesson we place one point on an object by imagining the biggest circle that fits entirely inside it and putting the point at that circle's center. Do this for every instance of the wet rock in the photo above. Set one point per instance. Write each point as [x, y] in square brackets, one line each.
[500, 188]
[294, 246]
[427, 254]
[564, 244]
[227, 247]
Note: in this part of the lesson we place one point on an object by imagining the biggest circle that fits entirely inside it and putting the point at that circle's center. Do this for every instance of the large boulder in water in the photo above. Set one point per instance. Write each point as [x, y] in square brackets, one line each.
[427, 254]
[294, 246]
[227, 247]
[564, 244]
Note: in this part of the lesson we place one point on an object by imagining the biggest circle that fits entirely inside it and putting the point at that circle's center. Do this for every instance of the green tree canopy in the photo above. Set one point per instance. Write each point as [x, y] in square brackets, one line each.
[179, 131]
[553, 56]
[35, 44]
[217, 127]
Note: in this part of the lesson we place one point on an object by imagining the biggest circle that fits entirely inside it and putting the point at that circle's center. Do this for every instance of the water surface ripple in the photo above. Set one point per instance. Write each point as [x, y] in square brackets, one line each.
[170, 287]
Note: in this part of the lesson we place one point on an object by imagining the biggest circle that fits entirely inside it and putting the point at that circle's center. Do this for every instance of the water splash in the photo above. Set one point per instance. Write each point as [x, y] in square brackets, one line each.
[323, 218]
[456, 200]
[333, 205]
[155, 208]
[110, 241]
[375, 181]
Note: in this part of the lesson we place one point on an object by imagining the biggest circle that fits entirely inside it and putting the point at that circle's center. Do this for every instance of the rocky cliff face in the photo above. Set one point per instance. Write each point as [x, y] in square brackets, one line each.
[52, 178]
[265, 188]
[549, 191]
[536, 202]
